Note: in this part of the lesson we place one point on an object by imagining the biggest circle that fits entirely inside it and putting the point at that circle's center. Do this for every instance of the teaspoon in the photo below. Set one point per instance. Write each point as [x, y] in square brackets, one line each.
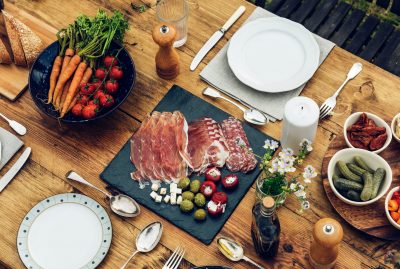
[234, 251]
[120, 204]
[17, 127]
[251, 115]
[147, 240]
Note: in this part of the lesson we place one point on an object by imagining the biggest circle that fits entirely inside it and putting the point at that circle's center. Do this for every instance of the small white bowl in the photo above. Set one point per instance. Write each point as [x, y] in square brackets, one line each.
[388, 197]
[372, 160]
[396, 118]
[378, 121]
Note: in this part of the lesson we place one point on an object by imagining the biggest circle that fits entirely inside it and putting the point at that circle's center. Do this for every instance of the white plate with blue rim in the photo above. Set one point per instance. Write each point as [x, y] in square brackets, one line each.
[273, 54]
[65, 231]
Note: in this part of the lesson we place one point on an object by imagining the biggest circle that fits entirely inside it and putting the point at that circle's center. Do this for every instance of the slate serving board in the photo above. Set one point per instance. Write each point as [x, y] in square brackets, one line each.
[117, 173]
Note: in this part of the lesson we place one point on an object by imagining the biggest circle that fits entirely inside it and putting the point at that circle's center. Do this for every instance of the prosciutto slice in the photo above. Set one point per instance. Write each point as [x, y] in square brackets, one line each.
[241, 157]
[159, 148]
[207, 145]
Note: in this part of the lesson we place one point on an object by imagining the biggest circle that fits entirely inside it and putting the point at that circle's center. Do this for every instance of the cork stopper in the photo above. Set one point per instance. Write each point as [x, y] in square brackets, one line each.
[328, 232]
[268, 202]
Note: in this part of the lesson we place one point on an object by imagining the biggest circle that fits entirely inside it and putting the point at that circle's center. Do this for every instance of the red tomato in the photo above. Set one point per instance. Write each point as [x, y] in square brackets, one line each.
[87, 89]
[213, 174]
[89, 111]
[112, 86]
[83, 99]
[94, 102]
[97, 84]
[77, 110]
[116, 73]
[100, 73]
[110, 60]
[106, 101]
[98, 94]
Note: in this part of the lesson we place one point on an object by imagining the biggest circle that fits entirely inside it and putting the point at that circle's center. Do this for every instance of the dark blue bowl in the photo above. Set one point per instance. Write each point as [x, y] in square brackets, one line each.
[39, 78]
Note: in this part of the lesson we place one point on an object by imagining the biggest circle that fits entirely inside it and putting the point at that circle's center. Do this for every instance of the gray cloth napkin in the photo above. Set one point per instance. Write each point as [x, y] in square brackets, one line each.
[10, 144]
[218, 74]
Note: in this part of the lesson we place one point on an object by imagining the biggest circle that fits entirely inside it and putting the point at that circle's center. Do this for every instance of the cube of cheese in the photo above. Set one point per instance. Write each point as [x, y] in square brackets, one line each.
[158, 199]
[173, 187]
[178, 191]
[163, 191]
[153, 195]
[173, 198]
[179, 200]
[166, 199]
[155, 187]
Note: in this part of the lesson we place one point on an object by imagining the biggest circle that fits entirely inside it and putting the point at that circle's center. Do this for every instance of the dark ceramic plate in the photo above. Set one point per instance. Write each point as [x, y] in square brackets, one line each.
[40, 75]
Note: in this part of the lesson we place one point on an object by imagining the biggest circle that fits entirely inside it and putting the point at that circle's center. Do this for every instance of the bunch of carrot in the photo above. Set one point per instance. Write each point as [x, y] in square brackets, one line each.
[88, 39]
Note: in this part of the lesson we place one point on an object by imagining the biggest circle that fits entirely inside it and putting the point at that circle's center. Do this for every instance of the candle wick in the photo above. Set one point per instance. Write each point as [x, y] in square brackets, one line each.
[302, 107]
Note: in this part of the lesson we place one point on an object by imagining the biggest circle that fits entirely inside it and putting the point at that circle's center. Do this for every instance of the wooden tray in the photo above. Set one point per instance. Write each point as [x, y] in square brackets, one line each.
[370, 219]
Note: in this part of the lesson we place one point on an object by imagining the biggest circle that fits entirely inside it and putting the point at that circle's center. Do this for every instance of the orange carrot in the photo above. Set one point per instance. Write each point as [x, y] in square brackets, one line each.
[74, 101]
[85, 79]
[67, 58]
[73, 89]
[63, 95]
[67, 74]
[55, 72]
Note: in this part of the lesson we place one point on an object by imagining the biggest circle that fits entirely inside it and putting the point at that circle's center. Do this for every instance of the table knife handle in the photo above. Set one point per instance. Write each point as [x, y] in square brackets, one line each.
[235, 16]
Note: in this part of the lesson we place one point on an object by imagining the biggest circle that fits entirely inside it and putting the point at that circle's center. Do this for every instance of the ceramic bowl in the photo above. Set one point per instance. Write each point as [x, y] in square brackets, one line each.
[395, 118]
[372, 160]
[39, 77]
[388, 197]
[378, 121]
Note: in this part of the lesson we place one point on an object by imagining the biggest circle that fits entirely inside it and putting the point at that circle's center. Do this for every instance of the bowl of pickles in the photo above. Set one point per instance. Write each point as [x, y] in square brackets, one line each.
[359, 177]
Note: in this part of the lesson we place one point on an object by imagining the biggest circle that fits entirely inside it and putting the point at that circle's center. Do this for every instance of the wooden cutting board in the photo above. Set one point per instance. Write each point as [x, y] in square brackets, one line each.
[370, 219]
[14, 79]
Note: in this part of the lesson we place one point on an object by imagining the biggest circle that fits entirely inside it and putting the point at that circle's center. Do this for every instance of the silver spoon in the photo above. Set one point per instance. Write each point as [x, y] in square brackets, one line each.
[234, 251]
[120, 204]
[251, 115]
[17, 127]
[147, 240]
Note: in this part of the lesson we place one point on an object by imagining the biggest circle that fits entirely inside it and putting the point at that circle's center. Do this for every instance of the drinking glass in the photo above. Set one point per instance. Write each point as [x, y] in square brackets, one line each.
[176, 13]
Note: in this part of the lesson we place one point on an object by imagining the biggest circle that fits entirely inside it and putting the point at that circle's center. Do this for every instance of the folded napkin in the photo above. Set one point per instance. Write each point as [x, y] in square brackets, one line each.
[218, 74]
[10, 144]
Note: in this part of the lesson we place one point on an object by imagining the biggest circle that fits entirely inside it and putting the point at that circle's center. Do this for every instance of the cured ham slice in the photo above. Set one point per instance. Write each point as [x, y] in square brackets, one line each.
[159, 148]
[207, 145]
[241, 157]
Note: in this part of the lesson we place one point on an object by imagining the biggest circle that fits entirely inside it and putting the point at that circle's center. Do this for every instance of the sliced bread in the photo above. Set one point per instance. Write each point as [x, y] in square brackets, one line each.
[5, 57]
[31, 42]
[13, 37]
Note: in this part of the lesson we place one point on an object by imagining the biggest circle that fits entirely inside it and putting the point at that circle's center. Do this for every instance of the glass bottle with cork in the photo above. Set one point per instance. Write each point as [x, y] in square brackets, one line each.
[265, 228]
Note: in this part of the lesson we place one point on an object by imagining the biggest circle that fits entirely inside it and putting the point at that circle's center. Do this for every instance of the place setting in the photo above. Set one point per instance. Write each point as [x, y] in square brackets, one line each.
[210, 189]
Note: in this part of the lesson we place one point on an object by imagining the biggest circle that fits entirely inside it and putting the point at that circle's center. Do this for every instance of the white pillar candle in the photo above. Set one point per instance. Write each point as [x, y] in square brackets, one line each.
[300, 120]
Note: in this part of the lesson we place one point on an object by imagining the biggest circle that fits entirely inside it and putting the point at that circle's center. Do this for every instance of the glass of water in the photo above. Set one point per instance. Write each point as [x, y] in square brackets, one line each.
[176, 13]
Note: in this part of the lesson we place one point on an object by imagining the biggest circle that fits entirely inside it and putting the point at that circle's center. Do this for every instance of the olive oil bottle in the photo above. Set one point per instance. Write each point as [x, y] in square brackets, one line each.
[265, 228]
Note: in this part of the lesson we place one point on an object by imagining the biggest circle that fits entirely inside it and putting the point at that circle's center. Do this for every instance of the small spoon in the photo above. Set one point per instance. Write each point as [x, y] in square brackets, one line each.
[17, 127]
[120, 204]
[234, 251]
[251, 115]
[147, 240]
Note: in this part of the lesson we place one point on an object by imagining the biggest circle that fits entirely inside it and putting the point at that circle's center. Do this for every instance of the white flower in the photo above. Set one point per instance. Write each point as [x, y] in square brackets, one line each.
[288, 152]
[300, 194]
[293, 186]
[307, 180]
[306, 143]
[309, 173]
[271, 144]
[305, 204]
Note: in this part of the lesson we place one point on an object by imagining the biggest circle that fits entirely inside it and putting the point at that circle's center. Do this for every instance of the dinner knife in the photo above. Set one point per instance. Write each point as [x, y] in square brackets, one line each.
[14, 169]
[216, 37]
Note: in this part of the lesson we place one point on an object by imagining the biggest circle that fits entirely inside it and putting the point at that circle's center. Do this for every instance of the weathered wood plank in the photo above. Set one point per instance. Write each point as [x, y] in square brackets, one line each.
[348, 26]
[377, 41]
[334, 20]
[394, 62]
[304, 10]
[287, 8]
[320, 14]
[386, 52]
[362, 34]
[274, 5]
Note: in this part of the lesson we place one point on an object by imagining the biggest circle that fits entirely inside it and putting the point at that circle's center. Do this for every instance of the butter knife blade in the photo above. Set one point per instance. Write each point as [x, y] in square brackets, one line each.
[216, 37]
[14, 169]
[0, 151]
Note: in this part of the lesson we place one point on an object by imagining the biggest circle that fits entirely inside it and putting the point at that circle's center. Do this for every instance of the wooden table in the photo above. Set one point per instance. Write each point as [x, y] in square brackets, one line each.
[89, 148]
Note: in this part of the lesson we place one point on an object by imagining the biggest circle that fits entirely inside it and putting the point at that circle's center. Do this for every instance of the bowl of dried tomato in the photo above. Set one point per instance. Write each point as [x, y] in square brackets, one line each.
[367, 131]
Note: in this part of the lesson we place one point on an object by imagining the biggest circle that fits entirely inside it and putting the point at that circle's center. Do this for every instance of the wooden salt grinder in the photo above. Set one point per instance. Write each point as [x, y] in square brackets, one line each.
[324, 250]
[167, 58]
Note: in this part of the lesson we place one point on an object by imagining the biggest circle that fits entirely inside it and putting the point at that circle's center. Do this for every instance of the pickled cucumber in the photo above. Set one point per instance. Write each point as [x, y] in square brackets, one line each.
[361, 163]
[366, 193]
[377, 180]
[344, 170]
[356, 169]
[353, 195]
[346, 185]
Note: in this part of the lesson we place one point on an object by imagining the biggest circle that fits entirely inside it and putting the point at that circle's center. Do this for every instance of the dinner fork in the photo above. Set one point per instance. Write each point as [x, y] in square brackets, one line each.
[175, 259]
[330, 103]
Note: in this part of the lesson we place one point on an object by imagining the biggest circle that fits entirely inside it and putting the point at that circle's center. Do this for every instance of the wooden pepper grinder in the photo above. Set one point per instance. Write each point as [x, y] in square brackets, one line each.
[167, 58]
[324, 250]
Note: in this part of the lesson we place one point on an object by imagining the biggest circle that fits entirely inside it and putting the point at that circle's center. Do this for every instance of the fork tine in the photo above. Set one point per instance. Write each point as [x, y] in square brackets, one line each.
[323, 108]
[169, 261]
[176, 257]
[178, 262]
[326, 113]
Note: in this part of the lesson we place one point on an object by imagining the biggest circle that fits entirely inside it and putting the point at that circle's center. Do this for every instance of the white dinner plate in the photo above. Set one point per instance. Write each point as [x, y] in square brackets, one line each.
[65, 231]
[273, 54]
